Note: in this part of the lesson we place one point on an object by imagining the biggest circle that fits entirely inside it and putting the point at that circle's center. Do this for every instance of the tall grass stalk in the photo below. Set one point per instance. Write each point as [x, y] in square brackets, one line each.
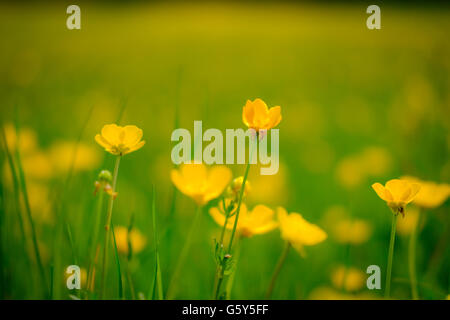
[157, 292]
[387, 292]
[183, 255]
[108, 226]
[412, 247]
[23, 187]
[277, 270]
[119, 270]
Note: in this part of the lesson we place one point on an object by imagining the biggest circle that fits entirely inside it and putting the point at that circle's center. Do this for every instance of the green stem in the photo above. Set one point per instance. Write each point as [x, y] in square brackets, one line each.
[183, 255]
[412, 259]
[387, 291]
[233, 232]
[95, 237]
[108, 226]
[277, 270]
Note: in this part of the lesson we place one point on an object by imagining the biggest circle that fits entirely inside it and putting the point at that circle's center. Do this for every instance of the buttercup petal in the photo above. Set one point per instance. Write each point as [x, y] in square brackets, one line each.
[274, 117]
[381, 191]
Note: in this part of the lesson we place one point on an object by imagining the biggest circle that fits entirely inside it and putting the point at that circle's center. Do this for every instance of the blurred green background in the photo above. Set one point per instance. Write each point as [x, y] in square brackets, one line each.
[359, 106]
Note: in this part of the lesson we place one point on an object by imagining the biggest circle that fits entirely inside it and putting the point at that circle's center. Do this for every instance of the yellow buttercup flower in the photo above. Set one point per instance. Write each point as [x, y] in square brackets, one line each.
[258, 221]
[119, 140]
[431, 194]
[201, 183]
[297, 231]
[256, 115]
[137, 240]
[397, 193]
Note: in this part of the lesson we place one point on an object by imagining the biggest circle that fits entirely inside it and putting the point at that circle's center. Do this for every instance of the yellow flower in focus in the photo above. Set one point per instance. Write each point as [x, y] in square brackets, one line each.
[431, 194]
[352, 231]
[297, 231]
[137, 240]
[256, 115]
[65, 154]
[351, 279]
[258, 221]
[397, 193]
[119, 140]
[199, 182]
[234, 189]
[407, 225]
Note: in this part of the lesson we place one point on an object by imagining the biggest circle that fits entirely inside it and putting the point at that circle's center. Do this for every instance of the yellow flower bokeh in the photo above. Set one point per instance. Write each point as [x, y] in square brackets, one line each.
[431, 194]
[119, 140]
[352, 231]
[349, 279]
[200, 182]
[258, 221]
[297, 231]
[136, 238]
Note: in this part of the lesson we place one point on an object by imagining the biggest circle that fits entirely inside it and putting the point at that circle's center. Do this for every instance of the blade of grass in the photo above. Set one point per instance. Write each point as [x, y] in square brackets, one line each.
[119, 272]
[157, 291]
[23, 187]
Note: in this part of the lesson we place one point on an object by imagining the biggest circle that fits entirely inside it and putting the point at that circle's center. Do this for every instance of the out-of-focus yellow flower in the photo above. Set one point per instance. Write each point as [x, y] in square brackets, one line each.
[40, 203]
[234, 189]
[26, 139]
[256, 115]
[37, 165]
[351, 279]
[350, 172]
[407, 225]
[326, 293]
[352, 231]
[64, 154]
[119, 140]
[201, 183]
[258, 221]
[376, 161]
[397, 193]
[137, 240]
[371, 162]
[278, 192]
[431, 194]
[297, 231]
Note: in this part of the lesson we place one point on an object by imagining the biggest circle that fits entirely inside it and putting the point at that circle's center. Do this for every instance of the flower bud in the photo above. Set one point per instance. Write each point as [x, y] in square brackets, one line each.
[234, 189]
[105, 176]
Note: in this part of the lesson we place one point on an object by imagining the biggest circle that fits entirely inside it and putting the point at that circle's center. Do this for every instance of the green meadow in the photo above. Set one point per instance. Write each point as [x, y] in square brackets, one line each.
[358, 106]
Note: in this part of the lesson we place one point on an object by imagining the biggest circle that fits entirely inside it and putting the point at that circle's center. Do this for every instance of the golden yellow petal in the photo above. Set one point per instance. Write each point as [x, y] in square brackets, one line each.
[381, 192]
[132, 135]
[274, 117]
[218, 179]
[111, 132]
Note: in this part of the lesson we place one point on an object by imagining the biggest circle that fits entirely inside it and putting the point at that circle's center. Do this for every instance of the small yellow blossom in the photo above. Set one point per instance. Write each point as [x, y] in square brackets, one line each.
[352, 231]
[431, 194]
[201, 183]
[354, 278]
[234, 189]
[258, 221]
[119, 140]
[256, 115]
[297, 231]
[397, 193]
[137, 240]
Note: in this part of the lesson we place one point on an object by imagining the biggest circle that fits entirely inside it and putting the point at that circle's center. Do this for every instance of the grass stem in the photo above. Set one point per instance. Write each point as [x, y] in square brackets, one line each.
[387, 292]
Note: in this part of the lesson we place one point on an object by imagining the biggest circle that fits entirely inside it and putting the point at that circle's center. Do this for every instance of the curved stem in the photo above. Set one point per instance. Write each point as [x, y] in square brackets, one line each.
[183, 254]
[108, 226]
[412, 259]
[277, 270]
[387, 291]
